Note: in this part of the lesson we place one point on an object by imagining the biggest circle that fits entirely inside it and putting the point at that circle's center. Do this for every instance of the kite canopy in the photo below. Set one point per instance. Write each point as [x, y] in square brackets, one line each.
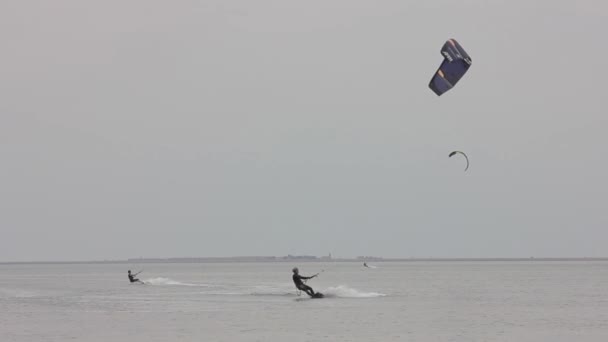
[465, 156]
[455, 64]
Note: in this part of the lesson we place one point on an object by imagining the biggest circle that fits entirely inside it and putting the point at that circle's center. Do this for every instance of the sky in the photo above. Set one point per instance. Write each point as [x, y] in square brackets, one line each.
[233, 127]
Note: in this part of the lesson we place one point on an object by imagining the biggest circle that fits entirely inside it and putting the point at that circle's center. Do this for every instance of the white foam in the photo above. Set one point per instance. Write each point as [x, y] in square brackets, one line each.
[167, 281]
[343, 291]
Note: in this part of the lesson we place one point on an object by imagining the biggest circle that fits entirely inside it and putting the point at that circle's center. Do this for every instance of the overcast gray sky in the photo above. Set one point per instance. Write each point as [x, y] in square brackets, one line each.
[236, 127]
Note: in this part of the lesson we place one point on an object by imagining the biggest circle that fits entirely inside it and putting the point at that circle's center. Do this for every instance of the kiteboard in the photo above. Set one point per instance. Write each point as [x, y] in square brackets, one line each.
[317, 295]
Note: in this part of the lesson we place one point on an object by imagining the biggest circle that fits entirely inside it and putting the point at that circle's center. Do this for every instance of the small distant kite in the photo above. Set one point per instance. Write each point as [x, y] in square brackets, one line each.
[455, 64]
[465, 157]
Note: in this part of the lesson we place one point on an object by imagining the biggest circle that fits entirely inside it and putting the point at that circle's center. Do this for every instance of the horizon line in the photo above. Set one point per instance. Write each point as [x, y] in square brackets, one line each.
[304, 258]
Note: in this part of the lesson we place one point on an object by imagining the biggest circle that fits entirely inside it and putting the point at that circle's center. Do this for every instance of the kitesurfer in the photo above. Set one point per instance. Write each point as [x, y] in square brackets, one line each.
[132, 277]
[298, 281]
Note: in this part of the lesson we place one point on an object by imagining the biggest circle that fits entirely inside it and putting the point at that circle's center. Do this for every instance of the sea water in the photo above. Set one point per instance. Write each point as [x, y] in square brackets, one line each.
[396, 301]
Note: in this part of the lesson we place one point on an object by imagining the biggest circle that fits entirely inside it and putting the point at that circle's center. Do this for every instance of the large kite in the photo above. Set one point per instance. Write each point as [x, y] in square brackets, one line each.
[455, 64]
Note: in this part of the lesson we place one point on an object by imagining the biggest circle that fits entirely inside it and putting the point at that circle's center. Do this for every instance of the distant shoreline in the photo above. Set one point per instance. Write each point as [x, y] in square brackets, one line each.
[291, 260]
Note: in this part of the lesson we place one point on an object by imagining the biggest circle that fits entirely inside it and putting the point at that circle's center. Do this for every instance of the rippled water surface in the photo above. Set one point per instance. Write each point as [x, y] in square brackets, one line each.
[405, 301]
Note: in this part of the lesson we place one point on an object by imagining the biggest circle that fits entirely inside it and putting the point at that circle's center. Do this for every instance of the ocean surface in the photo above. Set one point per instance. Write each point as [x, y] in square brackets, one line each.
[396, 301]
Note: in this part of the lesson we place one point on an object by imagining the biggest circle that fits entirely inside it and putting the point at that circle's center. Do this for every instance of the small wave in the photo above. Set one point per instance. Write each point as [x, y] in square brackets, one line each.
[167, 281]
[347, 292]
[273, 290]
[257, 291]
[223, 293]
[17, 293]
[283, 294]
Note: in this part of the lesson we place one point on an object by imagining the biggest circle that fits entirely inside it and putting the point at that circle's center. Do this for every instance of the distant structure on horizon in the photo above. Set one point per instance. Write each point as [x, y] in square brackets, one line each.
[300, 257]
[369, 258]
[289, 257]
[326, 258]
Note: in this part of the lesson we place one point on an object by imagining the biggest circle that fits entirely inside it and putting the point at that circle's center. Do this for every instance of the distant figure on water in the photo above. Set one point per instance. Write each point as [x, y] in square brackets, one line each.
[132, 278]
[298, 281]
[365, 264]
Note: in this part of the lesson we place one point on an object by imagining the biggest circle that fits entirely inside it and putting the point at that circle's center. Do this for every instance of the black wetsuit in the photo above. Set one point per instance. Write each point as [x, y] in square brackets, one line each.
[297, 279]
[133, 279]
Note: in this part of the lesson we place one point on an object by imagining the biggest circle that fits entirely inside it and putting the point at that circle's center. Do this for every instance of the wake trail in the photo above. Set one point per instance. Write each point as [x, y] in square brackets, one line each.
[169, 282]
[343, 291]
